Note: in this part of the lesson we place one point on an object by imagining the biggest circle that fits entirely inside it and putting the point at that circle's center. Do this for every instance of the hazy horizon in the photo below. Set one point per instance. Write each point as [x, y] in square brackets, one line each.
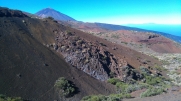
[170, 29]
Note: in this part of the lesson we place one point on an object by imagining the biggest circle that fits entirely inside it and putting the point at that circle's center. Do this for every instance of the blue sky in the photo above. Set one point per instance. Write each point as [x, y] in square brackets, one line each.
[107, 11]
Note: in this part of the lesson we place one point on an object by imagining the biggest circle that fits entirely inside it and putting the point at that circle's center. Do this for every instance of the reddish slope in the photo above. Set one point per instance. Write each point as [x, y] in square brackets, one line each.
[155, 42]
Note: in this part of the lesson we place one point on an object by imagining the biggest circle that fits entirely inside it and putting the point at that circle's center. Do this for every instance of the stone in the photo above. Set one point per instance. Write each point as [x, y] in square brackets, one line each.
[45, 64]
[23, 21]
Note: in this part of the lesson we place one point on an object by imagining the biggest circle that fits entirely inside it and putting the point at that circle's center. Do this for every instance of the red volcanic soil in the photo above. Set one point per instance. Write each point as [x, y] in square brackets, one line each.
[153, 41]
[86, 27]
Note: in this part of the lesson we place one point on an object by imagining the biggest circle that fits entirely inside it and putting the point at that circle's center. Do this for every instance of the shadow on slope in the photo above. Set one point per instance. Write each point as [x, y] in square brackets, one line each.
[29, 69]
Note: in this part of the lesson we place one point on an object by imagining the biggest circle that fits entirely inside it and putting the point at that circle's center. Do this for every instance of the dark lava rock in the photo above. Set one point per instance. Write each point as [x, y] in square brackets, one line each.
[5, 12]
[45, 64]
[153, 36]
[89, 57]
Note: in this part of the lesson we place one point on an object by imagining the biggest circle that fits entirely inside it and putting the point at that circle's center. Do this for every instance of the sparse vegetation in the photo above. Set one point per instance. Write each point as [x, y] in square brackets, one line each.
[152, 80]
[112, 97]
[126, 88]
[115, 36]
[164, 62]
[159, 68]
[154, 84]
[65, 87]
[124, 43]
[5, 98]
[122, 87]
[152, 92]
[135, 87]
[113, 81]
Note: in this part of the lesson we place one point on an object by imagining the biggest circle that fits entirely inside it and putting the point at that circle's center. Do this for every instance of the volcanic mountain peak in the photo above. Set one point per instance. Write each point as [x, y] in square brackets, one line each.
[49, 12]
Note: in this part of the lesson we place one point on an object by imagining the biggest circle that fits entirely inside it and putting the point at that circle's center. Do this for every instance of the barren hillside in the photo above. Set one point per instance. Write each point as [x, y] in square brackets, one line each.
[29, 69]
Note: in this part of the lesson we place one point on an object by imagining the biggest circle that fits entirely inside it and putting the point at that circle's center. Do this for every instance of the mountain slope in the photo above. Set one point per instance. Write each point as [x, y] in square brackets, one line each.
[29, 69]
[48, 12]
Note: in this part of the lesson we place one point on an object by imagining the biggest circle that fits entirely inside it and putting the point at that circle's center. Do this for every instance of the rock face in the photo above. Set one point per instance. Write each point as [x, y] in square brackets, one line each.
[89, 57]
[5, 12]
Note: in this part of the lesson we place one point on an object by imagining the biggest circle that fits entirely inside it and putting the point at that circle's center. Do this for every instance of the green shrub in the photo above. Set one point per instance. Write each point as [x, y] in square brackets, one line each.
[126, 88]
[112, 97]
[94, 98]
[152, 80]
[65, 87]
[152, 92]
[135, 87]
[5, 98]
[113, 81]
[120, 96]
[165, 62]
[122, 87]
[159, 68]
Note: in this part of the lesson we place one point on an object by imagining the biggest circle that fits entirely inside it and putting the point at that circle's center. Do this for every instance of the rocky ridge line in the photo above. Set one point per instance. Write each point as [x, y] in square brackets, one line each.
[5, 12]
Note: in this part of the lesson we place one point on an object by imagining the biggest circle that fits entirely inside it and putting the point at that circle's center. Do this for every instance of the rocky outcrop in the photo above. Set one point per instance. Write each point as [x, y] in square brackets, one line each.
[153, 36]
[90, 57]
[5, 12]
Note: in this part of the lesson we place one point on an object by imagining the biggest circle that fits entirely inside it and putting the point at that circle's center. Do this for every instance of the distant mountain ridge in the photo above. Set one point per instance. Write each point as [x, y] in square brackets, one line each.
[49, 12]
[120, 27]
